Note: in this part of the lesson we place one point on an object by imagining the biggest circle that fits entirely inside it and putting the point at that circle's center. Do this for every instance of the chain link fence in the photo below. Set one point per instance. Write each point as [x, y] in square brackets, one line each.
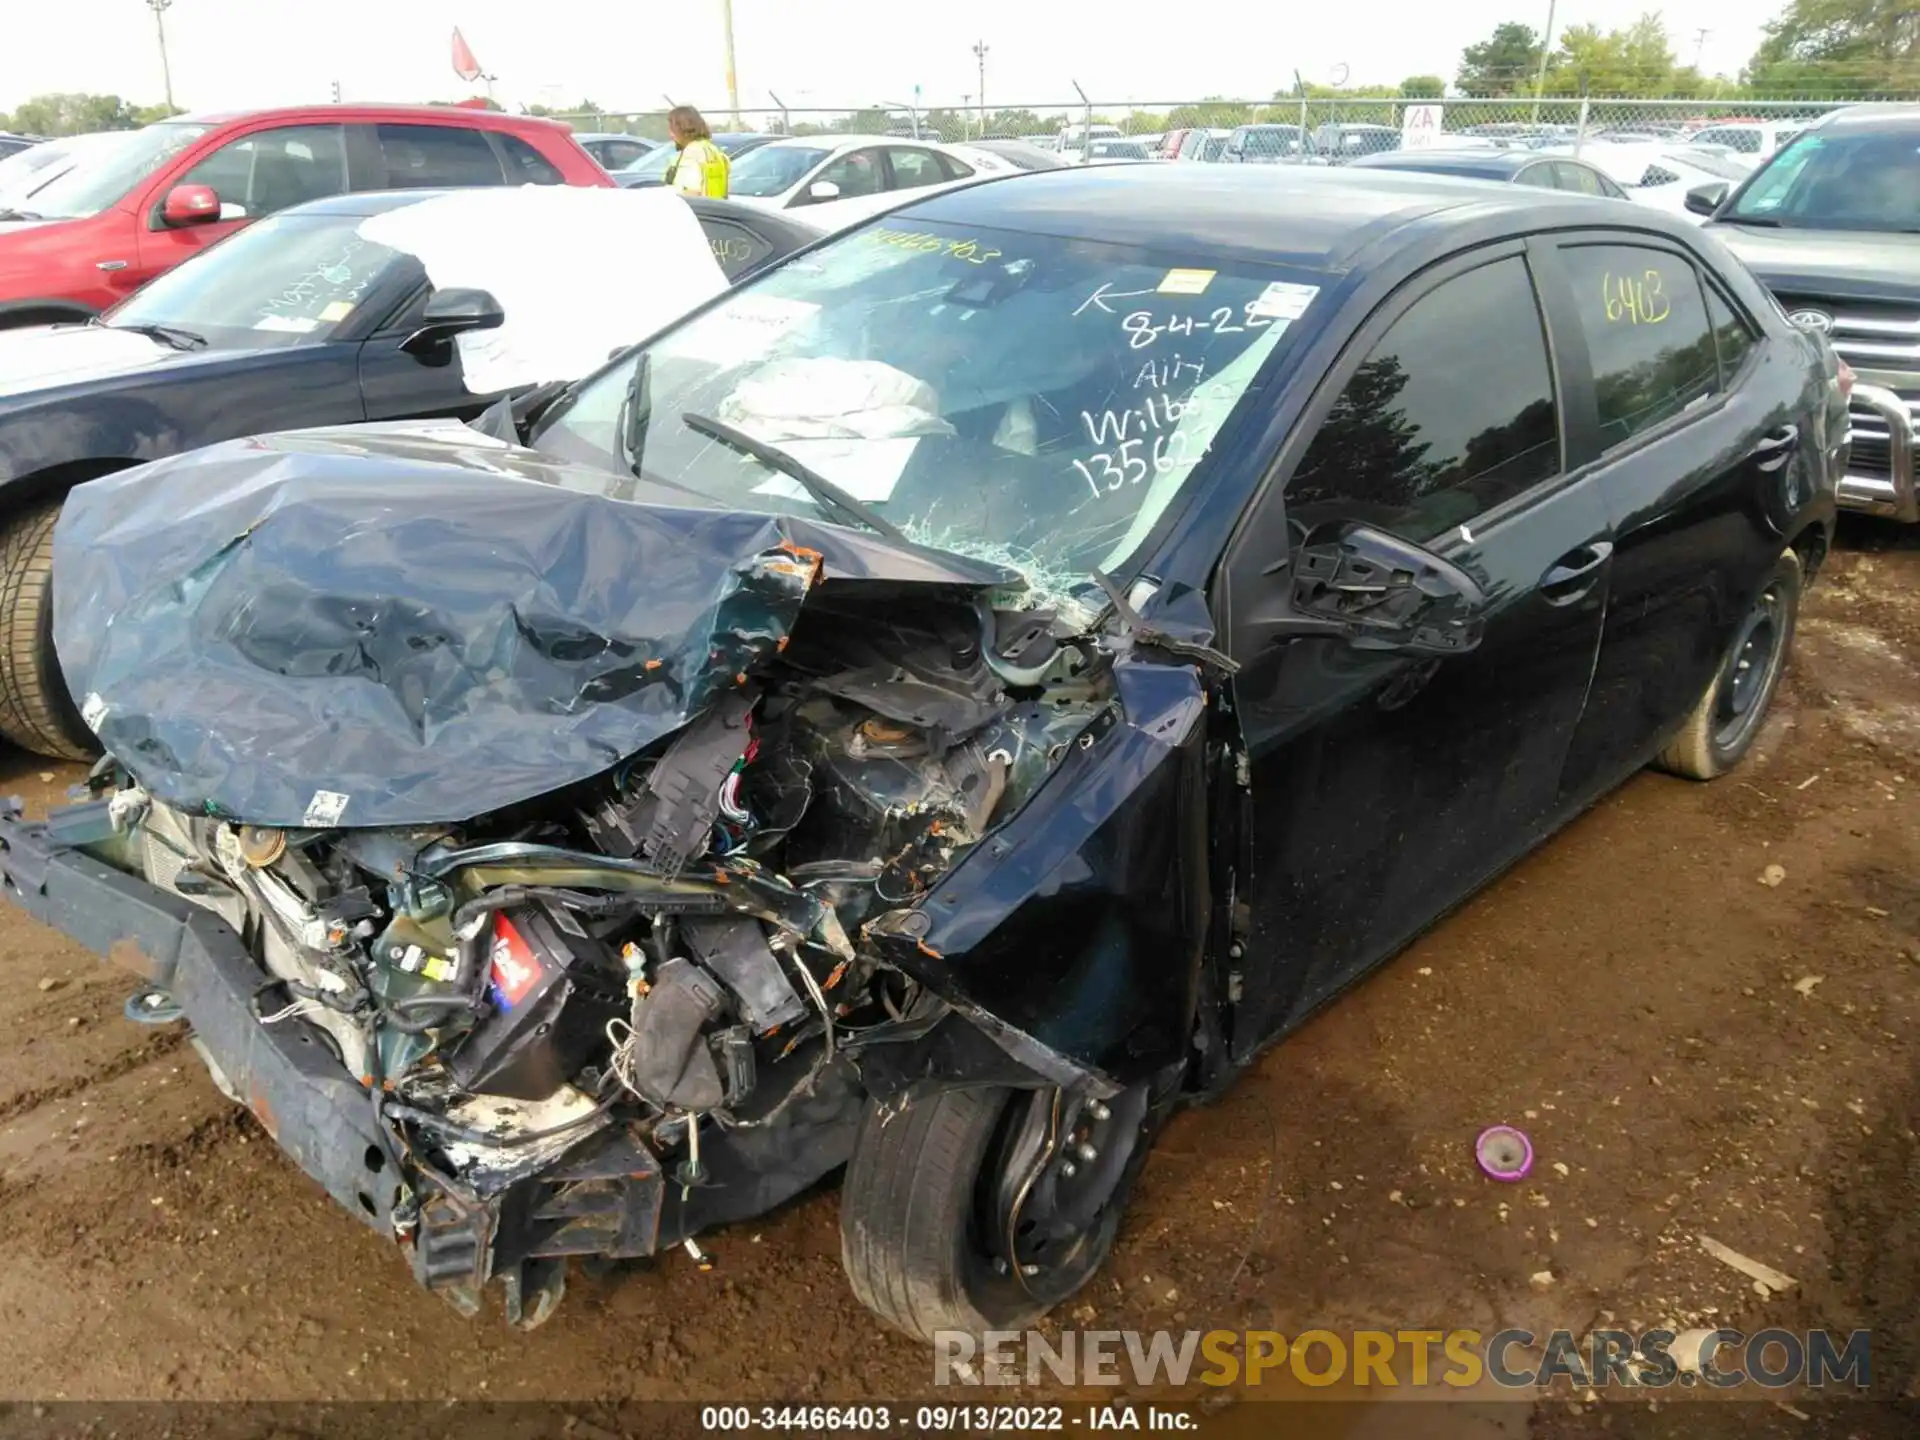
[1333, 125]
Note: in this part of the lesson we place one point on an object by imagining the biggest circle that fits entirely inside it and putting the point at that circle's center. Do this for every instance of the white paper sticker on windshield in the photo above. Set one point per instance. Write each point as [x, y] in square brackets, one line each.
[324, 810]
[336, 310]
[1186, 282]
[866, 469]
[745, 328]
[287, 324]
[1281, 301]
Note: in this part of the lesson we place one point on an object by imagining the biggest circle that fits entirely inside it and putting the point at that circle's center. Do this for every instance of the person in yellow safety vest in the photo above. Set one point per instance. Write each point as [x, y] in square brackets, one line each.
[701, 166]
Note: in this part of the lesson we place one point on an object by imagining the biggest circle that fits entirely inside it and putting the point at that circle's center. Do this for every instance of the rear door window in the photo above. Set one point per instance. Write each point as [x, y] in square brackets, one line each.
[1540, 176]
[427, 157]
[1451, 413]
[1644, 317]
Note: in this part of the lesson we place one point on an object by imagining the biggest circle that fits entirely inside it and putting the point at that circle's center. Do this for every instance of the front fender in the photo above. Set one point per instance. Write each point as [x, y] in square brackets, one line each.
[1073, 934]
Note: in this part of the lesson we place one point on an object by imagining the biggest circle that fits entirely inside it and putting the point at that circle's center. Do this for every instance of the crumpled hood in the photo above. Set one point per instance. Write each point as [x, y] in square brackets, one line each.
[413, 625]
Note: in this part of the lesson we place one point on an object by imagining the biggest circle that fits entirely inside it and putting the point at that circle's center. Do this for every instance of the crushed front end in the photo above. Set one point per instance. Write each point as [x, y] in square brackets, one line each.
[598, 1019]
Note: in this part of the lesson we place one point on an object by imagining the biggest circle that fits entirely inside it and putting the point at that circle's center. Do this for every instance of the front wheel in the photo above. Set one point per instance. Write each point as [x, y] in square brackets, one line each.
[982, 1209]
[35, 711]
[1726, 720]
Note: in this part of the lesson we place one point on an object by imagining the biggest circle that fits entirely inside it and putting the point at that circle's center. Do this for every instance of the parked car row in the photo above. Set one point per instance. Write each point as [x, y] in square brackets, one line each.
[134, 203]
[943, 693]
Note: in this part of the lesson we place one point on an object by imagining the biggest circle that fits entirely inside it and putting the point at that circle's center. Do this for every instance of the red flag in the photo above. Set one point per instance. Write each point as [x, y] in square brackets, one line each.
[464, 65]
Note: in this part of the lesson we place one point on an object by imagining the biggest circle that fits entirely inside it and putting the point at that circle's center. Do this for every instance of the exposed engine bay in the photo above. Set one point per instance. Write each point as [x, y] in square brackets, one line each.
[596, 1022]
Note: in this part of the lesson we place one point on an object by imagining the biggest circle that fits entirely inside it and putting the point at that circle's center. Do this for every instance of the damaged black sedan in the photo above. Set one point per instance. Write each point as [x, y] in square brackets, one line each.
[927, 712]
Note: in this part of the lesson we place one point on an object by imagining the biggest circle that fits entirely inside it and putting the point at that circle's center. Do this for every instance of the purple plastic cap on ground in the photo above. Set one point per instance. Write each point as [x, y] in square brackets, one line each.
[1504, 1153]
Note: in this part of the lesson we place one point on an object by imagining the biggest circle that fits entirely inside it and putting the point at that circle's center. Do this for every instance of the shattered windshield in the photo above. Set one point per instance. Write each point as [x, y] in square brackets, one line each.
[1033, 399]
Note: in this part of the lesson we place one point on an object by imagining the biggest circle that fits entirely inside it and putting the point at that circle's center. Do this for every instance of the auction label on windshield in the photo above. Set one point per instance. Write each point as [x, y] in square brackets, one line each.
[1281, 301]
[1186, 282]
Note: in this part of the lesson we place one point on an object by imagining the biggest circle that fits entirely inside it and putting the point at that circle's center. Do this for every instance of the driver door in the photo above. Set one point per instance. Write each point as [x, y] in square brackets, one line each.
[1385, 786]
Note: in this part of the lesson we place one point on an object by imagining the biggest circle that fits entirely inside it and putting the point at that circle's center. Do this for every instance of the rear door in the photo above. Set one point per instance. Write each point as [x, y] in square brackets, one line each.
[1684, 422]
[1385, 787]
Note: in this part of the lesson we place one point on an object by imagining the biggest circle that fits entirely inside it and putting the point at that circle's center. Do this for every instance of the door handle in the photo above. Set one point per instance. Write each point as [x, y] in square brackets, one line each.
[1575, 572]
[1776, 447]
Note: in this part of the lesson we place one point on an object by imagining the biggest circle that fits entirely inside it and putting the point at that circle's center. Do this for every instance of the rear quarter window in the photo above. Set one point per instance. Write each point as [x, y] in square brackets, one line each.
[427, 157]
[526, 165]
[736, 247]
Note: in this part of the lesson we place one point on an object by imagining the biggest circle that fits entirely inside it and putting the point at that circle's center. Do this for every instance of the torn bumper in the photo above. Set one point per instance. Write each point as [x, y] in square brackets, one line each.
[293, 1085]
[606, 1196]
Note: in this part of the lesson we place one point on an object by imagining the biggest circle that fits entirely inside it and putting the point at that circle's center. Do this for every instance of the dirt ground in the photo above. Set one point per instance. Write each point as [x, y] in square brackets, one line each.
[1693, 1050]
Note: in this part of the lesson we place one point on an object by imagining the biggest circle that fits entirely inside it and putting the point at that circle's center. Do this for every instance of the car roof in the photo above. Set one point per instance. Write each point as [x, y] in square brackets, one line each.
[363, 203]
[1880, 117]
[846, 142]
[1487, 164]
[1311, 217]
[346, 114]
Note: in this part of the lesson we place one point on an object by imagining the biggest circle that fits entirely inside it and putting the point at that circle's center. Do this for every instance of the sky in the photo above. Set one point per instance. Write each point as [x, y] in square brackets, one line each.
[627, 55]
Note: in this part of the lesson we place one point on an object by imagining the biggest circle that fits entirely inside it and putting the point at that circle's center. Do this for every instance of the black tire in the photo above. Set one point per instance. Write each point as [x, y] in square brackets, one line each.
[911, 1215]
[1726, 720]
[36, 712]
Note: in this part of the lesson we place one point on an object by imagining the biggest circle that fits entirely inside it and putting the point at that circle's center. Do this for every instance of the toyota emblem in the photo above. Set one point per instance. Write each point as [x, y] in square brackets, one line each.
[1817, 321]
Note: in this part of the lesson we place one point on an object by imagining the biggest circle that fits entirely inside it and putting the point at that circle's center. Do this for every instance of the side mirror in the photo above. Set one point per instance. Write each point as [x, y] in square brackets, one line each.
[453, 312]
[1705, 199]
[190, 205]
[1383, 593]
[823, 190]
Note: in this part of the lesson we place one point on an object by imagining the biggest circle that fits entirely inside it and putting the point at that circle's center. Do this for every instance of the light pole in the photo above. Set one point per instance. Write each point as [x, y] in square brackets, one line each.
[980, 58]
[1540, 77]
[160, 28]
[733, 82]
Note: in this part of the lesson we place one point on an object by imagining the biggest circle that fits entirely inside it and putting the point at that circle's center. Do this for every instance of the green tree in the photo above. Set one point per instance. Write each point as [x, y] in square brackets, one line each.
[74, 114]
[1214, 112]
[1842, 49]
[1423, 87]
[871, 121]
[1636, 60]
[1503, 64]
[1010, 123]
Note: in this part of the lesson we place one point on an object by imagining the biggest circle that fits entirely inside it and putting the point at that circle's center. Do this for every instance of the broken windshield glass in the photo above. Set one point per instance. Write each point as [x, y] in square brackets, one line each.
[985, 390]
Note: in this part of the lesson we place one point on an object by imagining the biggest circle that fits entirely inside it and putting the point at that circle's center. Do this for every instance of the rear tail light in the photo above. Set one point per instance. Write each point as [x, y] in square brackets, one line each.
[1844, 379]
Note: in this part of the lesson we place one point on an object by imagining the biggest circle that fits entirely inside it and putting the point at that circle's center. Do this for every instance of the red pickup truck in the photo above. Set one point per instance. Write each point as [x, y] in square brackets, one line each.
[136, 203]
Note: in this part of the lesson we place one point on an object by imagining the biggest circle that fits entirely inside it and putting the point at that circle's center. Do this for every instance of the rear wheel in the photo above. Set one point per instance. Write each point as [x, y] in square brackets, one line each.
[1725, 722]
[983, 1209]
[35, 710]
